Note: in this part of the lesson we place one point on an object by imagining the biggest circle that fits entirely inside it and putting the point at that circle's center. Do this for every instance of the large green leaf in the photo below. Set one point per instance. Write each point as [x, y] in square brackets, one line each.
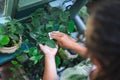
[4, 40]
[71, 26]
[48, 42]
[57, 61]
[43, 40]
[51, 43]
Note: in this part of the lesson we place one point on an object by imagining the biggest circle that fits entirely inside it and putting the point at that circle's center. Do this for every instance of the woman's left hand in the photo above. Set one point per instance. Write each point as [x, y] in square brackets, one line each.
[48, 51]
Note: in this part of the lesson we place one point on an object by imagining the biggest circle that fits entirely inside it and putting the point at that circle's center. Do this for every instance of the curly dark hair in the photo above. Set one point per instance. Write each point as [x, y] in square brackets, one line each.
[104, 44]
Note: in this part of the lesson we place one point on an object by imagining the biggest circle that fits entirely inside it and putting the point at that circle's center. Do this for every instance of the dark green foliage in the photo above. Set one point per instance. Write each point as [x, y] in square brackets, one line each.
[34, 54]
[15, 69]
[43, 22]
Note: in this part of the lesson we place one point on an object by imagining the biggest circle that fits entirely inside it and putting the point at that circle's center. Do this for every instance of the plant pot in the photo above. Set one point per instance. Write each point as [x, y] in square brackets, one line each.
[11, 49]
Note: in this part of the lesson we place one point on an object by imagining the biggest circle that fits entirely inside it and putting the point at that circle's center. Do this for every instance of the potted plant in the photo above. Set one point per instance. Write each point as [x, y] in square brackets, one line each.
[10, 36]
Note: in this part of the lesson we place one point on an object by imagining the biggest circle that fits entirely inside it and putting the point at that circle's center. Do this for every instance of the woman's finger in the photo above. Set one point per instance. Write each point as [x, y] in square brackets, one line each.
[55, 37]
[60, 35]
[57, 33]
[41, 46]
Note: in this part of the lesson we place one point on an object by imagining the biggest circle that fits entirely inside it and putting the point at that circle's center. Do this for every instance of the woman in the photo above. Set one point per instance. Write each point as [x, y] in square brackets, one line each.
[102, 44]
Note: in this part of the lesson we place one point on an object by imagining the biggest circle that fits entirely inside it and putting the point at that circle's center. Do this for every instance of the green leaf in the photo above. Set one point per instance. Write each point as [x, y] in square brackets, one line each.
[35, 52]
[32, 51]
[18, 66]
[51, 43]
[26, 51]
[62, 54]
[33, 58]
[14, 62]
[12, 28]
[43, 40]
[62, 28]
[14, 37]
[48, 42]
[33, 35]
[4, 39]
[12, 69]
[36, 58]
[26, 41]
[58, 61]
[71, 26]
[20, 58]
[36, 61]
[39, 57]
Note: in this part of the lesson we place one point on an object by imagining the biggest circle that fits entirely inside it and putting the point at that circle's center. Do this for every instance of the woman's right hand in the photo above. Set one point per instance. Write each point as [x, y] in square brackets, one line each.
[63, 39]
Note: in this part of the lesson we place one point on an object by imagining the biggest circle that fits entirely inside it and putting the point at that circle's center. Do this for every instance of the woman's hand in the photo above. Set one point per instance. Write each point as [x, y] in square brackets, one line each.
[50, 72]
[63, 39]
[48, 51]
